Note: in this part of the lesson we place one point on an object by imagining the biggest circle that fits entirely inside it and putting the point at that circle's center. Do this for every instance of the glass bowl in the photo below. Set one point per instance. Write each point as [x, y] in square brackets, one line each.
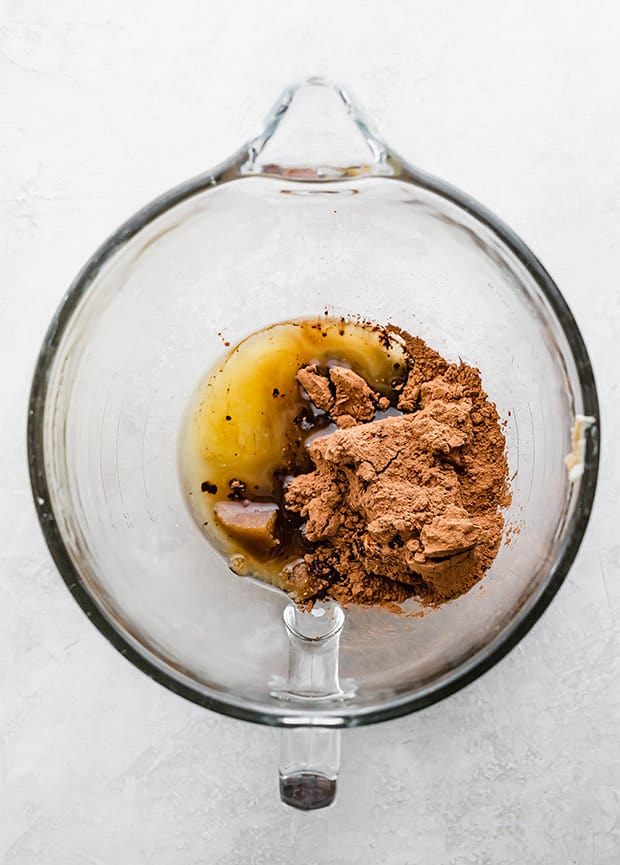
[315, 214]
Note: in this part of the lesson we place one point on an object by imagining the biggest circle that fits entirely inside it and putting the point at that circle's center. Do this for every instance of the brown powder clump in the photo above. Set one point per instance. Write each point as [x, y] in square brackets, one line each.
[409, 505]
[316, 386]
[354, 399]
[345, 394]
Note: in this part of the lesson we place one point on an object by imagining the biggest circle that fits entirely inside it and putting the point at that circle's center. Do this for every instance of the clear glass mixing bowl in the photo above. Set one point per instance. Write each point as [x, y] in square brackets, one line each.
[314, 214]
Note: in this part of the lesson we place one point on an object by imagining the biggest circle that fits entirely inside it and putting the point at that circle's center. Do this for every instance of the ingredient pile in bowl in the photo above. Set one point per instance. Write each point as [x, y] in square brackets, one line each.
[344, 460]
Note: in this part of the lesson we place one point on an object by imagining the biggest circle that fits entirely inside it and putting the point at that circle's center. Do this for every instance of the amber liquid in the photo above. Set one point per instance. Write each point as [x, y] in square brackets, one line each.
[248, 427]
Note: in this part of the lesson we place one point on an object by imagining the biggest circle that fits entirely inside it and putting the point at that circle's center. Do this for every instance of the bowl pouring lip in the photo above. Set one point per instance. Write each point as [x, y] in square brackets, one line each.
[286, 714]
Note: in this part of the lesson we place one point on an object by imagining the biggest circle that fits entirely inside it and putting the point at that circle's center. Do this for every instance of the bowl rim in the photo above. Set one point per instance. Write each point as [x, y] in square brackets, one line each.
[285, 714]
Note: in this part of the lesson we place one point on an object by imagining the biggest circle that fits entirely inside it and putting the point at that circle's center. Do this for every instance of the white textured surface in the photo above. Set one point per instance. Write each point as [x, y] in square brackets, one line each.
[105, 105]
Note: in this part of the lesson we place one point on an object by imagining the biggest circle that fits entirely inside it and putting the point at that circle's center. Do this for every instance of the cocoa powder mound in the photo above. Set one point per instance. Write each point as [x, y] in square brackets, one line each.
[407, 505]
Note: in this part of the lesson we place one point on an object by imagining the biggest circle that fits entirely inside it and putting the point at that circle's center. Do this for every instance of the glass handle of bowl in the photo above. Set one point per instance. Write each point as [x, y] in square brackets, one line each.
[309, 763]
[310, 755]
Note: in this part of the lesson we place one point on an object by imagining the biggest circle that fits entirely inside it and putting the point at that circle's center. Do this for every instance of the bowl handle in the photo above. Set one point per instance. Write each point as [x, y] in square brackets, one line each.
[309, 763]
[310, 752]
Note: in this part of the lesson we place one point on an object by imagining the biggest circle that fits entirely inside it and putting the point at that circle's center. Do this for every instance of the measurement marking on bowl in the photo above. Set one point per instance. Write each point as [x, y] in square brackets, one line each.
[118, 433]
[529, 493]
[516, 426]
[146, 420]
[101, 474]
[544, 442]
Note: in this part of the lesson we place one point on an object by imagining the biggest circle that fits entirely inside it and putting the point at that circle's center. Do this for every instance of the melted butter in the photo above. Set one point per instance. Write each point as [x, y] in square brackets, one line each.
[250, 422]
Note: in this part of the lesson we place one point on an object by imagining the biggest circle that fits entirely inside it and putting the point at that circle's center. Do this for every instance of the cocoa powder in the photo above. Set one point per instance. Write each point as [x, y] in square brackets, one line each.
[407, 505]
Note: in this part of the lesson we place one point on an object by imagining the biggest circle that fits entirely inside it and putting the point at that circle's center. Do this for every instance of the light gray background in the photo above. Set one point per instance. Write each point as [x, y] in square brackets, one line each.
[102, 106]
